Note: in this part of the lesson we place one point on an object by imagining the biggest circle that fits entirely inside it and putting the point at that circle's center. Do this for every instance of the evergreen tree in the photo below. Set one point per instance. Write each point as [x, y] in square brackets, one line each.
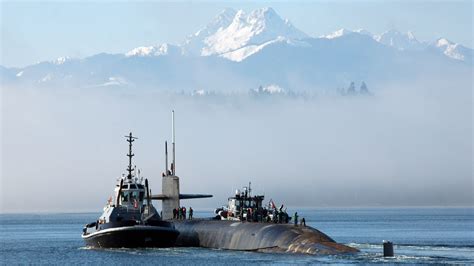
[363, 89]
[351, 90]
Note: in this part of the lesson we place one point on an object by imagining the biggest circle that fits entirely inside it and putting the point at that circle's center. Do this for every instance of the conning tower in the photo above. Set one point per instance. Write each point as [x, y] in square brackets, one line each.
[170, 194]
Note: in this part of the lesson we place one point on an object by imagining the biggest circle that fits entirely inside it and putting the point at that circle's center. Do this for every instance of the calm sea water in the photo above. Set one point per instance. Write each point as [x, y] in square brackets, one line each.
[420, 235]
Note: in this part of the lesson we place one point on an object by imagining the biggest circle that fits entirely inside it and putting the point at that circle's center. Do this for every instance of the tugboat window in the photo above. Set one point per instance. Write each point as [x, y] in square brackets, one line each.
[142, 194]
[124, 196]
[134, 195]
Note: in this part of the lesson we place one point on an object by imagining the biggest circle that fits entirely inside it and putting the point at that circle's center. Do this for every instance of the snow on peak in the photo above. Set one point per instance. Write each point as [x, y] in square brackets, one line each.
[399, 40]
[61, 60]
[263, 14]
[452, 50]
[222, 20]
[246, 51]
[141, 51]
[225, 16]
[337, 34]
[260, 26]
[164, 49]
[410, 35]
[363, 32]
[193, 44]
[343, 32]
[443, 42]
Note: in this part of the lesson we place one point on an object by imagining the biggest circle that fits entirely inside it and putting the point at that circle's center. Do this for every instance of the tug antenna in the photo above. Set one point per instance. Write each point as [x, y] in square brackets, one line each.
[130, 139]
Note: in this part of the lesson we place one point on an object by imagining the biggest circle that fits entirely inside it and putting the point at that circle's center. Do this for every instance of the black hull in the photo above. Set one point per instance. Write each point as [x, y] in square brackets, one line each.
[132, 237]
[262, 237]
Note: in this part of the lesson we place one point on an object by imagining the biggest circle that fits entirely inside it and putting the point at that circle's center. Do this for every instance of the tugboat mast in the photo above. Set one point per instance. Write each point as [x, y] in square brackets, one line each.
[130, 139]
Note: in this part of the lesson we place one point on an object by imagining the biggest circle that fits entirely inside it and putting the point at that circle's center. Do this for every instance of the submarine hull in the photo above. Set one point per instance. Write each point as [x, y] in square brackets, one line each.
[262, 237]
[132, 237]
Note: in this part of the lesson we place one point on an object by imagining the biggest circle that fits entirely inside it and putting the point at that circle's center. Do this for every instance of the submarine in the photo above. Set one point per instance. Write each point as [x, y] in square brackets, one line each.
[244, 224]
[130, 220]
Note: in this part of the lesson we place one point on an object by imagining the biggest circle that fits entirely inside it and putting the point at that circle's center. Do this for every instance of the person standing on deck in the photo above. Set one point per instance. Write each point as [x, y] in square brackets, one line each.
[191, 213]
[295, 217]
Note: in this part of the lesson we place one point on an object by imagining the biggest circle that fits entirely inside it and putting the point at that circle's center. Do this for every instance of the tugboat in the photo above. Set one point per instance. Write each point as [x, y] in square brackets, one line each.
[245, 207]
[130, 220]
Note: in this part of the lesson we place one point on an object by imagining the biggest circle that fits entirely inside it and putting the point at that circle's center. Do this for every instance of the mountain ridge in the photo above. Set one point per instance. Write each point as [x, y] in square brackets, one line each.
[236, 50]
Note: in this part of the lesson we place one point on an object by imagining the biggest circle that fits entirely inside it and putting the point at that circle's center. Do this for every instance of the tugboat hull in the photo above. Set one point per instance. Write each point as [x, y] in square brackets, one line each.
[132, 237]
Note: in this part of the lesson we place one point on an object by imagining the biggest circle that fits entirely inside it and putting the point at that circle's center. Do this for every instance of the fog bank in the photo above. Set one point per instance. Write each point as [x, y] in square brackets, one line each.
[407, 145]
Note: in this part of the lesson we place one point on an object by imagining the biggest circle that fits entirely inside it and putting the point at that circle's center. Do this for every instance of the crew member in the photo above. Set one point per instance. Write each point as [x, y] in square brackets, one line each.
[295, 217]
[191, 213]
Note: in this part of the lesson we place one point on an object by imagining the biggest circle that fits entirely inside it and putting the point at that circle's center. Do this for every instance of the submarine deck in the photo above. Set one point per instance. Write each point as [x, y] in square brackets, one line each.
[251, 236]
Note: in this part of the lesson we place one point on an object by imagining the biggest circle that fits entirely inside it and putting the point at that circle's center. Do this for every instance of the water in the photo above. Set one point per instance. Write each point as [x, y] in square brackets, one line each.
[420, 235]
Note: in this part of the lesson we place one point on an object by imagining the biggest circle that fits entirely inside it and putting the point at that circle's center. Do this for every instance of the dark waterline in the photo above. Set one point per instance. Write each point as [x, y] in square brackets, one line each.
[421, 235]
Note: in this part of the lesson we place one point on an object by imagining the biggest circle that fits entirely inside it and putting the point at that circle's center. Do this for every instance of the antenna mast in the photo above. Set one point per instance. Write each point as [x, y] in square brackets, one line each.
[130, 139]
[173, 142]
[166, 158]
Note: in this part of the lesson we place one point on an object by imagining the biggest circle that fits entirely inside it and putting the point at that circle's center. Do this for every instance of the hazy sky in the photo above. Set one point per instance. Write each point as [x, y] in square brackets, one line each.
[409, 144]
[38, 30]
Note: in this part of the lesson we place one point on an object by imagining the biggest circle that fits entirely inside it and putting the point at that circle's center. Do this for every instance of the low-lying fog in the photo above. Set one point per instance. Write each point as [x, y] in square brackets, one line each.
[406, 145]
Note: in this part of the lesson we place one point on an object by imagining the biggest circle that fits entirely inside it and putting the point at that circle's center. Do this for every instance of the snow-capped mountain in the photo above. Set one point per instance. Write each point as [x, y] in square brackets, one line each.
[243, 51]
[392, 38]
[195, 42]
[454, 50]
[399, 40]
[408, 42]
[256, 28]
[248, 50]
[233, 35]
[61, 60]
[343, 32]
[163, 49]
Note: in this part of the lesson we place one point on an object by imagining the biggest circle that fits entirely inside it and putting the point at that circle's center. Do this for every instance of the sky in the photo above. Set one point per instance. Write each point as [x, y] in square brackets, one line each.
[408, 144]
[37, 31]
